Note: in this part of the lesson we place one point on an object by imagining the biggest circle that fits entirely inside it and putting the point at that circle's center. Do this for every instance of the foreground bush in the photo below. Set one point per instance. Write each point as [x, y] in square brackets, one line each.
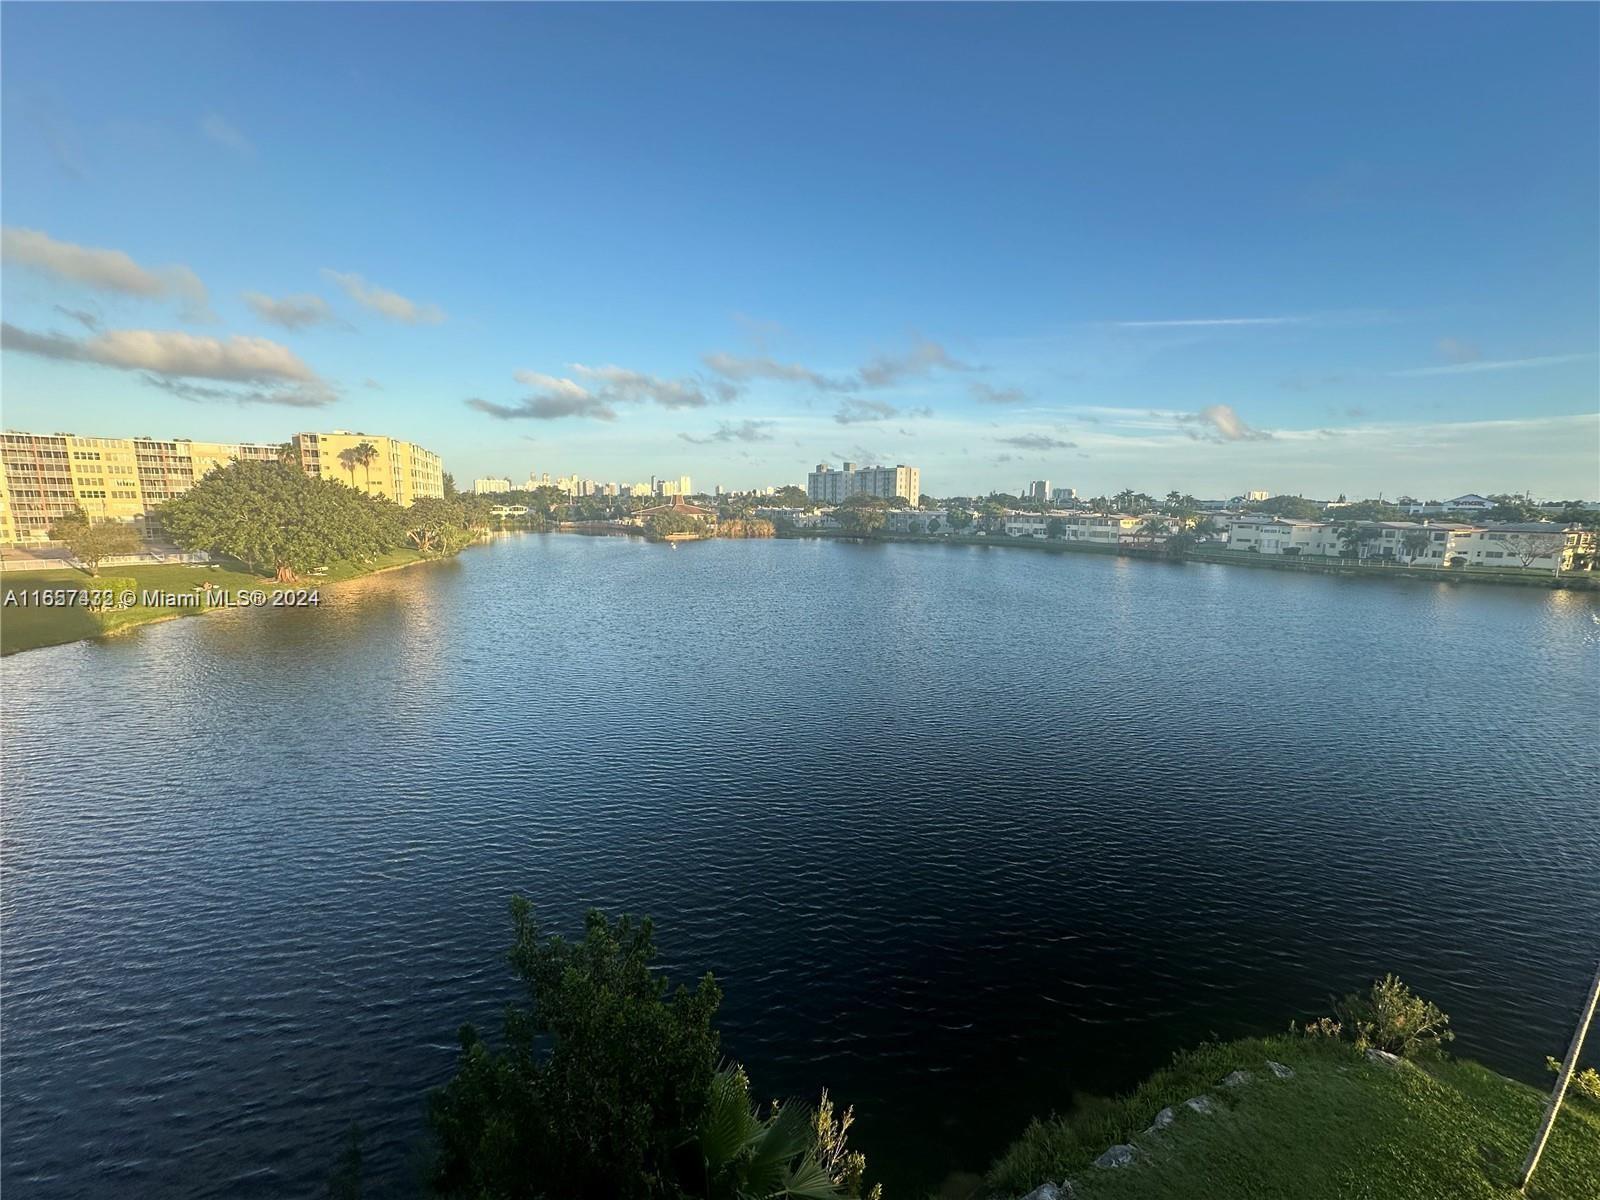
[1390, 1017]
[608, 1086]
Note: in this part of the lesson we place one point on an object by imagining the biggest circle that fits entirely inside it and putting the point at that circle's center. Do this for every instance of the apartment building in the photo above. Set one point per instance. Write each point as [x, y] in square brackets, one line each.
[45, 476]
[490, 487]
[827, 486]
[401, 471]
[1532, 545]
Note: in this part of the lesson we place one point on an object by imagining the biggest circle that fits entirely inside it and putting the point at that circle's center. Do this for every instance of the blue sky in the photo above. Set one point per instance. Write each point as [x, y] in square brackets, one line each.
[1317, 249]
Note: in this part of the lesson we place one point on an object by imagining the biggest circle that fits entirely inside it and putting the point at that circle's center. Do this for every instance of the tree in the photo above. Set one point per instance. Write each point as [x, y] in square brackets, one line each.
[432, 523]
[1055, 529]
[603, 1083]
[288, 455]
[1415, 543]
[669, 521]
[1353, 538]
[91, 543]
[450, 492]
[366, 454]
[1296, 507]
[349, 461]
[276, 518]
[861, 515]
[1526, 547]
[1204, 527]
[1155, 527]
[960, 518]
[1391, 1018]
[791, 497]
[1509, 508]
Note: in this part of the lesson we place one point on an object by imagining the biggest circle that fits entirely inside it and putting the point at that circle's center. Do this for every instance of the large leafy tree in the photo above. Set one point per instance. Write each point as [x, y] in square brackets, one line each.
[607, 1085]
[92, 543]
[862, 514]
[434, 524]
[273, 517]
[603, 1082]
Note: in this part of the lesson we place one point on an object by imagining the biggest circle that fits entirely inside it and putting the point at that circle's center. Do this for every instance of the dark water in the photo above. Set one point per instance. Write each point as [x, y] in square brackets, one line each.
[961, 830]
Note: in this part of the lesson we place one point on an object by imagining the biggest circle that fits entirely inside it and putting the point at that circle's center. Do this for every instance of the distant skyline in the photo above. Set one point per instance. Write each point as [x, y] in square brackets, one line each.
[1314, 249]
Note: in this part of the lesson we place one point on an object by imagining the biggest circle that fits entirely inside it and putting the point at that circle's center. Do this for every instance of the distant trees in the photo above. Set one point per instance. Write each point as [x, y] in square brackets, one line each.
[1528, 547]
[960, 518]
[668, 522]
[450, 492]
[1055, 529]
[1415, 543]
[861, 515]
[608, 1085]
[432, 524]
[791, 497]
[1512, 508]
[1296, 508]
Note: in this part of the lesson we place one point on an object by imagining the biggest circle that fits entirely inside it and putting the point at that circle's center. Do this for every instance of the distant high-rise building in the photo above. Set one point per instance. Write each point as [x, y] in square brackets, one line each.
[490, 487]
[827, 486]
[1063, 495]
[1257, 495]
[1038, 489]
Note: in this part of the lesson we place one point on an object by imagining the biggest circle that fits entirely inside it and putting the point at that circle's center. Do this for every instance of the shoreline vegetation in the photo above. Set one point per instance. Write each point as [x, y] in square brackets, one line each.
[1366, 569]
[609, 1080]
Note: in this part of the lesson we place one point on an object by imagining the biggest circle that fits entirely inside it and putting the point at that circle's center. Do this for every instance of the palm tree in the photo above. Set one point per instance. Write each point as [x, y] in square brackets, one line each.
[1414, 542]
[1155, 527]
[747, 1157]
[288, 455]
[348, 459]
[365, 454]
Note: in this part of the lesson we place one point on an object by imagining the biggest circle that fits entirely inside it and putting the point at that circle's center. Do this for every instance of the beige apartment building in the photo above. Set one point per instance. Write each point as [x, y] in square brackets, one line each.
[827, 486]
[402, 471]
[45, 476]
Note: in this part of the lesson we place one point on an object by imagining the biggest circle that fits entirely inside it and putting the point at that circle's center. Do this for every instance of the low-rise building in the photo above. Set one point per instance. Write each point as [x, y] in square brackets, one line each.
[1534, 545]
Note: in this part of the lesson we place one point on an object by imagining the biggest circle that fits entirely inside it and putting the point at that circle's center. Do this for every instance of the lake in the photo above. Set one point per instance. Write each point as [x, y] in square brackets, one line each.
[962, 831]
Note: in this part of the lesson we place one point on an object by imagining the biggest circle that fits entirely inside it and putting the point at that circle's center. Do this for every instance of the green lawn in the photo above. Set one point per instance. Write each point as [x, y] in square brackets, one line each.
[1343, 1128]
[28, 628]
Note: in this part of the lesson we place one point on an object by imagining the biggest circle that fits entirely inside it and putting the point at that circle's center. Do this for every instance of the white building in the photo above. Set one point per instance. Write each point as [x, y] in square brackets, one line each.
[827, 486]
[490, 487]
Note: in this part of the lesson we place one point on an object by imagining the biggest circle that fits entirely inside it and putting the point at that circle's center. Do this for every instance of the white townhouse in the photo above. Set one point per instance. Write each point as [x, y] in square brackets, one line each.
[1529, 546]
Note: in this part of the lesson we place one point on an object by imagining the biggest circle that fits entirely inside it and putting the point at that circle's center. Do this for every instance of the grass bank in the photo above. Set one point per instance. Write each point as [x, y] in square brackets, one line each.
[30, 626]
[1341, 1128]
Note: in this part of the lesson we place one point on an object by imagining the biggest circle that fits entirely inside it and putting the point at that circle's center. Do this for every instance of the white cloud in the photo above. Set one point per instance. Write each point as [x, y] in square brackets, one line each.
[733, 366]
[546, 408]
[552, 384]
[728, 431]
[225, 135]
[1219, 421]
[1505, 364]
[853, 412]
[169, 357]
[302, 311]
[103, 270]
[384, 302]
[631, 387]
[922, 359]
[1209, 321]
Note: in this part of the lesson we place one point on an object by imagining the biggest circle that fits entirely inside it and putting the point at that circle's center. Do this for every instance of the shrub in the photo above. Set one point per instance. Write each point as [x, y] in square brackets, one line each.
[1390, 1017]
[1585, 1082]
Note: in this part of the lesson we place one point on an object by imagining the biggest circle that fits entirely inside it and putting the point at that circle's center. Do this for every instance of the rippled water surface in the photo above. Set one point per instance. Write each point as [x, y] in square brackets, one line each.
[962, 831]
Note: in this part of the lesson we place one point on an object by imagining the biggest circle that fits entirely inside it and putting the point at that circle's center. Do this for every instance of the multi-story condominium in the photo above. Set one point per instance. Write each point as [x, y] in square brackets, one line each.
[401, 471]
[490, 487]
[45, 476]
[1063, 495]
[827, 486]
[1037, 489]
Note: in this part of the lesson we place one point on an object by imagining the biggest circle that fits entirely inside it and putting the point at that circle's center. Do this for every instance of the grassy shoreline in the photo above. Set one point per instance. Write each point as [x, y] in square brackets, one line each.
[25, 628]
[1342, 1126]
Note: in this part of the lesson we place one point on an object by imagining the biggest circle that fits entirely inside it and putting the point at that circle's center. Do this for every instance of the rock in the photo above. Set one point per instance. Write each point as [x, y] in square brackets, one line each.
[1383, 1058]
[1162, 1119]
[1237, 1079]
[1281, 1071]
[1116, 1156]
[1046, 1191]
[1201, 1104]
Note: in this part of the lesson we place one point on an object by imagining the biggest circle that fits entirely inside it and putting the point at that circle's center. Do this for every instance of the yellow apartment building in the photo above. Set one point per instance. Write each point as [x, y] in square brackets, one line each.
[402, 471]
[45, 476]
